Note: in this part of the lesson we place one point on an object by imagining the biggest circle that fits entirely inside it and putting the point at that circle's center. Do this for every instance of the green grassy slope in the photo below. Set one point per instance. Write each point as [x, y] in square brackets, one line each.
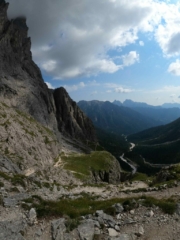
[159, 145]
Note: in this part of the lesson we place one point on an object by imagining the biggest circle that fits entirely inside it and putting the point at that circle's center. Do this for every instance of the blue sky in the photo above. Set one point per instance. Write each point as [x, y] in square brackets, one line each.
[106, 49]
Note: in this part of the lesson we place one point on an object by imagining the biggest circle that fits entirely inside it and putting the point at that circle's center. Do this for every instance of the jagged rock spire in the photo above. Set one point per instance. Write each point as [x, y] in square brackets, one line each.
[22, 86]
[3, 14]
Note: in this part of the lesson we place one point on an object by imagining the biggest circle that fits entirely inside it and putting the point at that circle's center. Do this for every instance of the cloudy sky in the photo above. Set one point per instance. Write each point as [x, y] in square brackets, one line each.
[106, 49]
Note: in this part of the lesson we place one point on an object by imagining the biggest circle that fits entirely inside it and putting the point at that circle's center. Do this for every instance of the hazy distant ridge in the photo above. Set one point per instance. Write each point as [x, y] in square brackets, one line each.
[162, 114]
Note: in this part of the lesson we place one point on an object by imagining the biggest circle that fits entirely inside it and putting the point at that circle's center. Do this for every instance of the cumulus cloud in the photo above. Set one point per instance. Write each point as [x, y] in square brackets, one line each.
[174, 68]
[122, 90]
[72, 38]
[130, 59]
[167, 32]
[74, 87]
[117, 88]
[141, 43]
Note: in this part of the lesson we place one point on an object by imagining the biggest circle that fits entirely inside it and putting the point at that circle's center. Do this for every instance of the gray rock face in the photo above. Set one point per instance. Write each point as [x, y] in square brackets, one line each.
[21, 82]
[118, 207]
[22, 86]
[12, 230]
[13, 200]
[178, 209]
[58, 229]
[113, 175]
[123, 237]
[86, 230]
[70, 118]
[105, 218]
[6, 165]
[32, 216]
[112, 232]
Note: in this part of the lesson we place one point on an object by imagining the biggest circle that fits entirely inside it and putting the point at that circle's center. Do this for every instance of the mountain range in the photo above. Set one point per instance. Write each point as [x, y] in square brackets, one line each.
[116, 119]
[162, 114]
[131, 103]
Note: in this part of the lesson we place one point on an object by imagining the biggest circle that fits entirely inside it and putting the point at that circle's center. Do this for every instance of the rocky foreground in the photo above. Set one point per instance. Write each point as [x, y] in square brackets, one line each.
[130, 217]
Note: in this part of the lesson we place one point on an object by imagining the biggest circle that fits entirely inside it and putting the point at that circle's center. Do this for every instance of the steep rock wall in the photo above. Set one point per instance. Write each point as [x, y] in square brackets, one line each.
[22, 86]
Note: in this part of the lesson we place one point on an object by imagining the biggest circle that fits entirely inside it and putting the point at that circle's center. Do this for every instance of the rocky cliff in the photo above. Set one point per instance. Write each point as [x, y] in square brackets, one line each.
[22, 86]
[70, 118]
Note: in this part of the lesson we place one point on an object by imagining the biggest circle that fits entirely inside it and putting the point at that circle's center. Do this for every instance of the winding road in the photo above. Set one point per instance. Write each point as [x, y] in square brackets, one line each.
[134, 169]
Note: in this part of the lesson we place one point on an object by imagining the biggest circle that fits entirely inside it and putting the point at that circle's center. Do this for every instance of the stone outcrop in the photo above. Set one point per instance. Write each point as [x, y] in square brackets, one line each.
[22, 86]
[70, 118]
[113, 175]
[21, 82]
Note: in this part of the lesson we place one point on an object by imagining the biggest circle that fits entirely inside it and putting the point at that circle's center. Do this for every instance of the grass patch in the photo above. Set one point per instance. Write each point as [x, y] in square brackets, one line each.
[25, 115]
[48, 131]
[139, 177]
[1, 200]
[85, 163]
[46, 184]
[1, 184]
[5, 176]
[88, 205]
[18, 179]
[4, 115]
[167, 205]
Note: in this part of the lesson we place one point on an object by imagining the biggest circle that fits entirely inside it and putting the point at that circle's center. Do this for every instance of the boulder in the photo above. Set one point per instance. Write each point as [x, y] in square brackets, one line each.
[86, 230]
[32, 216]
[118, 207]
[12, 230]
[112, 232]
[58, 229]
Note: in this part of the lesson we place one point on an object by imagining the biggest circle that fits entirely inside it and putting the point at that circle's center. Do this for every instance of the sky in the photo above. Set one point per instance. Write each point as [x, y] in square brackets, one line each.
[106, 49]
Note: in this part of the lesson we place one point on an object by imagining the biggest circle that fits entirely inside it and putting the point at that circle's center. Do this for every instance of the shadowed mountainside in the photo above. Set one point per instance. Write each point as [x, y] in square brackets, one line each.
[160, 114]
[159, 145]
[115, 119]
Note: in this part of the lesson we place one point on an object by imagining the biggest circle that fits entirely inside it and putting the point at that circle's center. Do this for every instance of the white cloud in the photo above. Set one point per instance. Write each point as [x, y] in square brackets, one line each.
[49, 85]
[141, 43]
[167, 32]
[130, 59]
[77, 35]
[168, 89]
[75, 87]
[49, 66]
[117, 88]
[73, 38]
[174, 68]
[123, 90]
